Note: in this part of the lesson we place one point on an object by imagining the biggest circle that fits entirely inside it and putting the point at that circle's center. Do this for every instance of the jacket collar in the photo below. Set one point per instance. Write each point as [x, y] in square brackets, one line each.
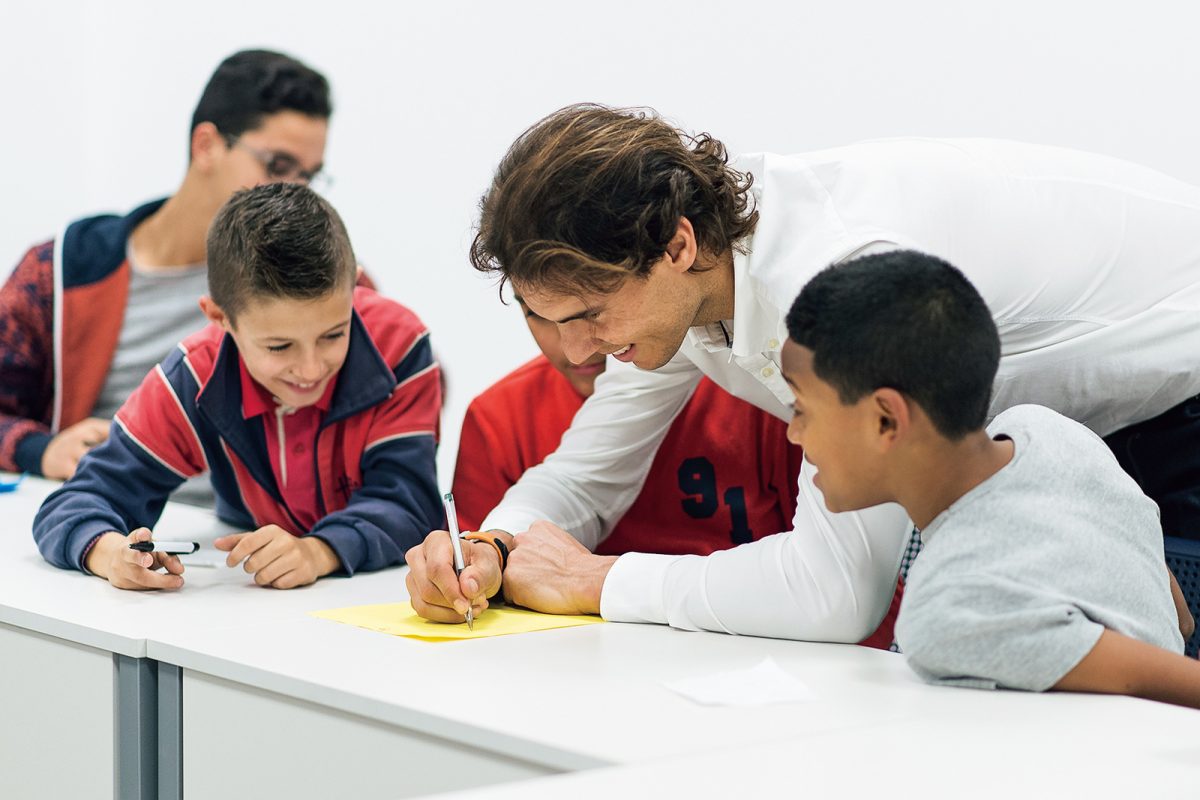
[220, 403]
[257, 400]
[95, 246]
[365, 380]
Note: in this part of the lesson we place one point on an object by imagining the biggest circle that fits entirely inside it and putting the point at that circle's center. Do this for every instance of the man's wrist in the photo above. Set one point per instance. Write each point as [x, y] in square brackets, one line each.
[500, 541]
[592, 582]
[503, 535]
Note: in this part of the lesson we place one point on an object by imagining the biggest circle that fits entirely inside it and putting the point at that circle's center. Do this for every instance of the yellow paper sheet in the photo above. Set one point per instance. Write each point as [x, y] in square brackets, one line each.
[399, 619]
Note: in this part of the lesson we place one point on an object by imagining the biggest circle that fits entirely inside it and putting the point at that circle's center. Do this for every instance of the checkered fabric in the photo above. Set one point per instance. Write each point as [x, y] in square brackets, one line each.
[910, 555]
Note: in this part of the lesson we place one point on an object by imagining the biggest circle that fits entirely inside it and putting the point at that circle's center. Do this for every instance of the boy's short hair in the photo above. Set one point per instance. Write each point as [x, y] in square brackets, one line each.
[253, 84]
[277, 240]
[592, 195]
[906, 321]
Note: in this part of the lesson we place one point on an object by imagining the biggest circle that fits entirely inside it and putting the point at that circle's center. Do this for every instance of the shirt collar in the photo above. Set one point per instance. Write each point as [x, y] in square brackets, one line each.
[256, 400]
[799, 233]
[756, 326]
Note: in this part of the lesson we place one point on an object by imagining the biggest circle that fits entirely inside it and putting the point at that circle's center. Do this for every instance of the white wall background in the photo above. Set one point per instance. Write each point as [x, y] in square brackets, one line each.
[97, 96]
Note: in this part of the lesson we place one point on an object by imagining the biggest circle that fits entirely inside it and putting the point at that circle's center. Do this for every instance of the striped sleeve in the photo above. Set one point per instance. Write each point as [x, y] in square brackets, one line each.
[26, 364]
[160, 417]
[416, 401]
[124, 483]
[398, 502]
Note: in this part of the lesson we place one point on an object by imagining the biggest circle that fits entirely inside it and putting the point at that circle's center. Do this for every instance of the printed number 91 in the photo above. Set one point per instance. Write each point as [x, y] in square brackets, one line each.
[698, 480]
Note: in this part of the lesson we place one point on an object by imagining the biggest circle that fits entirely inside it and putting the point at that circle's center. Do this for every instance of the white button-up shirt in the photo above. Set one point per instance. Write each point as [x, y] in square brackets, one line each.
[1090, 265]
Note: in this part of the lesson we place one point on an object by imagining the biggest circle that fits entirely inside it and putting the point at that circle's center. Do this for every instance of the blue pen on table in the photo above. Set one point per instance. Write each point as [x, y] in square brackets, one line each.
[170, 548]
[459, 566]
[11, 486]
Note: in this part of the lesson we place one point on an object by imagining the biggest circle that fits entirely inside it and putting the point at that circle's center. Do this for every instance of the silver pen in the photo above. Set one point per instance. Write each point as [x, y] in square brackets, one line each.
[452, 521]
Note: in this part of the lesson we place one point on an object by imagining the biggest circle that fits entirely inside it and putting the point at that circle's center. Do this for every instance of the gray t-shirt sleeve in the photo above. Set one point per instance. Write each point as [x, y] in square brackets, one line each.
[1020, 636]
[1020, 576]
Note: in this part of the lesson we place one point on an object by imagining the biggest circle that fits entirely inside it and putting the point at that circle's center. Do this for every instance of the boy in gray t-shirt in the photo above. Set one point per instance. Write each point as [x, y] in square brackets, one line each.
[1043, 561]
[1042, 557]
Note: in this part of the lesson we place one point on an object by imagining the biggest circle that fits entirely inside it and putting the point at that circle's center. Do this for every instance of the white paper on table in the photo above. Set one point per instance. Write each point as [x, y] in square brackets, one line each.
[204, 557]
[763, 684]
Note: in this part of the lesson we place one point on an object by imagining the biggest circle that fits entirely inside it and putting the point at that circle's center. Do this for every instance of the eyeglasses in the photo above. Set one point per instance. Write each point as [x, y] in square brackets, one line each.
[281, 166]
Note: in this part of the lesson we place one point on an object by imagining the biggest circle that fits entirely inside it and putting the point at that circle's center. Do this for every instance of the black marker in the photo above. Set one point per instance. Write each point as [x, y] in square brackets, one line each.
[170, 548]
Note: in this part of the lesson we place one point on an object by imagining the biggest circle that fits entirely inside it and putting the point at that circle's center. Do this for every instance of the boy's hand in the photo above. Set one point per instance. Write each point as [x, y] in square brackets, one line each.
[111, 558]
[62, 455]
[438, 594]
[278, 559]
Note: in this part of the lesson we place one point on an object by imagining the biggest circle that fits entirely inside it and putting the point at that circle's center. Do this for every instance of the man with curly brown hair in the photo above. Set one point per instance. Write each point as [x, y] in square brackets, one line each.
[645, 243]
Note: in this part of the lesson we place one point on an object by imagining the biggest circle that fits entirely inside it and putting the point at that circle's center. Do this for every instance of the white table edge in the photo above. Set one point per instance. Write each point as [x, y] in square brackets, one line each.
[135, 647]
[490, 740]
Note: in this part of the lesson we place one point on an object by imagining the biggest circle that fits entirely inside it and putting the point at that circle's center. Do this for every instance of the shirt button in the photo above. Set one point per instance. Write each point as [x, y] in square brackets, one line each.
[768, 372]
[771, 345]
[298, 449]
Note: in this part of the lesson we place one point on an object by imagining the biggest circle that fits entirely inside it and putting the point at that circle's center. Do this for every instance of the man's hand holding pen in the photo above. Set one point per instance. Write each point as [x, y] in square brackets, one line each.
[437, 593]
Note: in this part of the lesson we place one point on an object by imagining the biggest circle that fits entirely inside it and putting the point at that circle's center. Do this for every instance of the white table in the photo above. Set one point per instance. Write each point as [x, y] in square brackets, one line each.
[507, 707]
[248, 695]
[74, 675]
[1004, 748]
[443, 715]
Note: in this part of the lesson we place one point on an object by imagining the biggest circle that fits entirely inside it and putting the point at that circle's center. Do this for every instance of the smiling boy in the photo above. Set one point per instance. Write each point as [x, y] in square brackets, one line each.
[1042, 565]
[69, 353]
[313, 403]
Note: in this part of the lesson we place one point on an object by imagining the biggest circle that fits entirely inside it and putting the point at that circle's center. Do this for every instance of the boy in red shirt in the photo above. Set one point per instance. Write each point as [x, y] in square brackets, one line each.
[314, 405]
[724, 474]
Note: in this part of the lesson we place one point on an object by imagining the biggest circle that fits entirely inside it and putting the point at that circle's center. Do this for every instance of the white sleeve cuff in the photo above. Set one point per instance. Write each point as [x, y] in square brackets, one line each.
[633, 590]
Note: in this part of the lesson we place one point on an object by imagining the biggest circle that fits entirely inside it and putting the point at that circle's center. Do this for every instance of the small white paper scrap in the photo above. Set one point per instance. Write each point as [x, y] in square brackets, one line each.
[763, 684]
[204, 557]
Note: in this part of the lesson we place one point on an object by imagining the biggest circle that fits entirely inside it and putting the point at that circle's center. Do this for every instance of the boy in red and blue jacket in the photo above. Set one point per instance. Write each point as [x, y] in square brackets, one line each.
[70, 353]
[313, 403]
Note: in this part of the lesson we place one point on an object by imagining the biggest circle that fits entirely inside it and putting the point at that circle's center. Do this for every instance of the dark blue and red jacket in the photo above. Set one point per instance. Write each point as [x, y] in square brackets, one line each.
[373, 457]
[61, 312]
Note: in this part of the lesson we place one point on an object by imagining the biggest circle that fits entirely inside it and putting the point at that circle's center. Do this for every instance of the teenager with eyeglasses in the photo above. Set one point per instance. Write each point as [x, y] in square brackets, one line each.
[69, 352]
